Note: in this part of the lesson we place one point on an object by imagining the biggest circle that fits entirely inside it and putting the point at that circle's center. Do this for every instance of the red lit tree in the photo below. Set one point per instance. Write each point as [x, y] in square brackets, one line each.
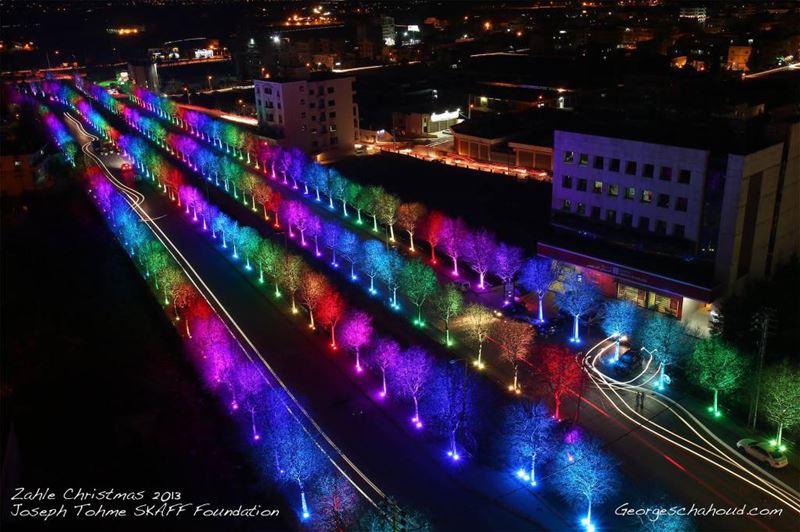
[331, 310]
[560, 371]
[432, 231]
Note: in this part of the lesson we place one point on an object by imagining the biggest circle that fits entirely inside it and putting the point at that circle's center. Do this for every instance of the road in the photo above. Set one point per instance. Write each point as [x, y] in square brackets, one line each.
[407, 465]
[696, 477]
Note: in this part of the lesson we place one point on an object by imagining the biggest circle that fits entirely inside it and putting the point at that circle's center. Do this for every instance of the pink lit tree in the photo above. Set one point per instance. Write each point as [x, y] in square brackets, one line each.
[481, 251]
[355, 333]
[453, 234]
[412, 373]
[385, 356]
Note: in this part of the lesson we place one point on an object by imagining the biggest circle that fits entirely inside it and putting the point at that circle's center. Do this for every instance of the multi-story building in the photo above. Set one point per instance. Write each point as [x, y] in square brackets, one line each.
[692, 218]
[316, 114]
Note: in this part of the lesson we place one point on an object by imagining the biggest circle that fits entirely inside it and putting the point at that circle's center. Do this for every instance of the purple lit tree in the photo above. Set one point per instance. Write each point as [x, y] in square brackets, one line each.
[538, 275]
[578, 297]
[481, 251]
[452, 235]
[412, 373]
[385, 355]
[314, 231]
[587, 474]
[508, 262]
[355, 333]
[531, 438]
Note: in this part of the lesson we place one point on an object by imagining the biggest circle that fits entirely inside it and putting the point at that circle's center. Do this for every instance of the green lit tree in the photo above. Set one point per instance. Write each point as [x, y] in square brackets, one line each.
[419, 283]
[449, 303]
[782, 398]
[716, 367]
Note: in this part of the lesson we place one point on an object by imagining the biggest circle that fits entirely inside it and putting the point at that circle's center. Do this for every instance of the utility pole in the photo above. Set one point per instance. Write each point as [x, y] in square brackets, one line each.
[761, 323]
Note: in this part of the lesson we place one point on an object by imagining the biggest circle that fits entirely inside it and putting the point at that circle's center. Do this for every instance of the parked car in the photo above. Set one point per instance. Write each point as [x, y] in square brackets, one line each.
[763, 452]
[628, 362]
[515, 310]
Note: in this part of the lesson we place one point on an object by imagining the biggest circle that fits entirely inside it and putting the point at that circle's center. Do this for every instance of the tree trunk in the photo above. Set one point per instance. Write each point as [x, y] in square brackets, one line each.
[455, 265]
[383, 375]
[411, 239]
[311, 315]
[541, 308]
[533, 469]
[374, 223]
[391, 232]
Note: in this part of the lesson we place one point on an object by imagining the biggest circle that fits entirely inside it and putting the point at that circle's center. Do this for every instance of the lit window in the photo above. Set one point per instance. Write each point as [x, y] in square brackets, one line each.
[583, 160]
[597, 187]
[569, 156]
[581, 209]
[566, 206]
[630, 193]
[613, 190]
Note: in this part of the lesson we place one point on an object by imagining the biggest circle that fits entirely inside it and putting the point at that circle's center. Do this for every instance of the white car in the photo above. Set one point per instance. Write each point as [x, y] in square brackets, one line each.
[762, 452]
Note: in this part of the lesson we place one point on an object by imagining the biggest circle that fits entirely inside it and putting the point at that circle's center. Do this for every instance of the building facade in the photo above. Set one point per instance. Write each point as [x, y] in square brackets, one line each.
[317, 115]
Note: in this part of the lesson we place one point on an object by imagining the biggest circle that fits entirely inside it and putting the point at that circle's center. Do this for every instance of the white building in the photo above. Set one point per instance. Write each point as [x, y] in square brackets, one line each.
[317, 114]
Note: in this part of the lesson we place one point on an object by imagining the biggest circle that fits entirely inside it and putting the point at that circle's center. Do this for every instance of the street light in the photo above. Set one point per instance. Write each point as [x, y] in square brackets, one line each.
[209, 82]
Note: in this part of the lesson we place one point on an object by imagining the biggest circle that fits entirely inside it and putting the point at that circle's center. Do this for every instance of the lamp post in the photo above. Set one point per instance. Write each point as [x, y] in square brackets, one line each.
[209, 83]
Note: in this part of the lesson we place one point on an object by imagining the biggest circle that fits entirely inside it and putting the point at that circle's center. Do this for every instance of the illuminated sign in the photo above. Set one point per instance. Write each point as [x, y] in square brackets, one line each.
[447, 115]
[203, 53]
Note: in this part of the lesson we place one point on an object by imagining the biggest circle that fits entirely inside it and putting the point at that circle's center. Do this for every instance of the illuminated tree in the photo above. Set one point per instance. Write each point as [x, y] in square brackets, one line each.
[389, 520]
[432, 231]
[538, 275]
[452, 236]
[183, 297]
[362, 201]
[587, 474]
[250, 386]
[290, 273]
[248, 242]
[270, 261]
[314, 230]
[351, 193]
[355, 333]
[619, 320]
[168, 277]
[560, 371]
[419, 283]
[508, 262]
[331, 311]
[478, 319]
[449, 303]
[782, 398]
[481, 251]
[578, 298]
[330, 235]
[317, 177]
[412, 373]
[374, 256]
[516, 340]
[350, 249]
[665, 338]
[717, 367]
[372, 196]
[391, 267]
[453, 408]
[409, 216]
[300, 461]
[531, 437]
[312, 291]
[385, 355]
[386, 207]
[337, 502]
[336, 187]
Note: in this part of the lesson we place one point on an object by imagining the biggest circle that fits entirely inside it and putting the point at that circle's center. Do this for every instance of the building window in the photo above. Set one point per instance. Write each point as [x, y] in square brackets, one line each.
[312, 105]
[581, 209]
[663, 201]
[311, 92]
[630, 193]
[611, 216]
[613, 165]
[661, 227]
[644, 223]
[569, 157]
[322, 117]
[596, 212]
[313, 118]
[332, 114]
[566, 206]
[583, 160]
[682, 204]
[581, 185]
[647, 171]
[598, 163]
[678, 230]
[332, 128]
[334, 141]
[597, 187]
[303, 102]
[684, 177]
[666, 173]
[613, 190]
[302, 88]
[627, 219]
[647, 196]
[630, 167]
[302, 115]
[566, 181]
[330, 90]
[331, 103]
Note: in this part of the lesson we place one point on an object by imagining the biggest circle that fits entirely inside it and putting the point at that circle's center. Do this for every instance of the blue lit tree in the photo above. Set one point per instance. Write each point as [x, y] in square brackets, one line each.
[665, 338]
[587, 474]
[538, 275]
[453, 409]
[250, 385]
[373, 257]
[577, 298]
[300, 461]
[391, 268]
[330, 235]
[530, 431]
[619, 320]
[350, 249]
[389, 519]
